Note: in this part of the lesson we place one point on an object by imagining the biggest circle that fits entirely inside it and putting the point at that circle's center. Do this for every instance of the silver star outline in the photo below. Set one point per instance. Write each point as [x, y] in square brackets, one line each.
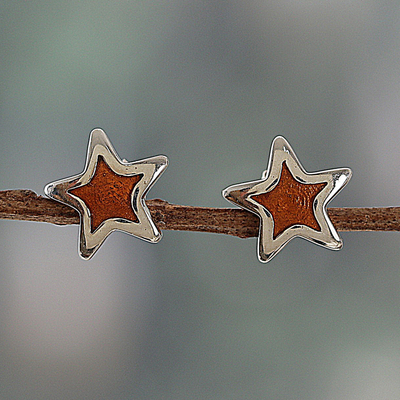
[242, 195]
[151, 168]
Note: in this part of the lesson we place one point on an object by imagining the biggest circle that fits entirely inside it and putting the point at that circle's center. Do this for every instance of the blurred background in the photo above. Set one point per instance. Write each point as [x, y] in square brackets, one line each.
[209, 84]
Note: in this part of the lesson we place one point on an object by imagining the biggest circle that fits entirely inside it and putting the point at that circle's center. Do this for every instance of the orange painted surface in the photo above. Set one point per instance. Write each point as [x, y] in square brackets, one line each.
[291, 202]
[108, 195]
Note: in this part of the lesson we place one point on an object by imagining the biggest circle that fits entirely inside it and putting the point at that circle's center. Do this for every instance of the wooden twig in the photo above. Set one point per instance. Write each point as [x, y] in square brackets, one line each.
[28, 206]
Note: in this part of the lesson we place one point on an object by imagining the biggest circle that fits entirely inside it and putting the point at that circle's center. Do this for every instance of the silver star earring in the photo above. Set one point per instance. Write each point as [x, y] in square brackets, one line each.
[110, 194]
[290, 201]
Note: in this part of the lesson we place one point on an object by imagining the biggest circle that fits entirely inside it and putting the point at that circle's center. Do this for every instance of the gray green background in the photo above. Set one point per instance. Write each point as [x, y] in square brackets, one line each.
[209, 84]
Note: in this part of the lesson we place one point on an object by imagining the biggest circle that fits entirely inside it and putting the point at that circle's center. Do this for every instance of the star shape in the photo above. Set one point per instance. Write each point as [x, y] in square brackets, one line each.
[109, 194]
[290, 201]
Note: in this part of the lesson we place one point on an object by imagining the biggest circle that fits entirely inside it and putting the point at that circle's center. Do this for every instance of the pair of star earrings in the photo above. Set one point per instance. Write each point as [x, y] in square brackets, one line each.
[110, 195]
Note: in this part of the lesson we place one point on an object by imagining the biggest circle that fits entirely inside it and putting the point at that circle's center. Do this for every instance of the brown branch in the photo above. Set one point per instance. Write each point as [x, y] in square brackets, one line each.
[28, 206]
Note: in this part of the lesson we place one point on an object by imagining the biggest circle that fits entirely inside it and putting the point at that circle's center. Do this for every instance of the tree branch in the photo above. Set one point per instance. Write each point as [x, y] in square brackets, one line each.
[28, 206]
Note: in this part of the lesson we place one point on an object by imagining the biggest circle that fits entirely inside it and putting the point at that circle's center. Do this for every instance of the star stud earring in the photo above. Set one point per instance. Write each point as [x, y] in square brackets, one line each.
[290, 201]
[109, 194]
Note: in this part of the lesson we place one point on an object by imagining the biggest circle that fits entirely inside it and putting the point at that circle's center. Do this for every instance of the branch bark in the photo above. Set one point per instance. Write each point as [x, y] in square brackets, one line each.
[28, 206]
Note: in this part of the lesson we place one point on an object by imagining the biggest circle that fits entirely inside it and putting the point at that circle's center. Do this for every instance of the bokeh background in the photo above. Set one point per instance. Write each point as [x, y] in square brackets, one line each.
[209, 83]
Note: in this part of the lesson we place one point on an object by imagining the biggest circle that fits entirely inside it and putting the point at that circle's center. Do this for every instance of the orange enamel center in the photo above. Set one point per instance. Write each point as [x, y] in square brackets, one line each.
[108, 195]
[291, 202]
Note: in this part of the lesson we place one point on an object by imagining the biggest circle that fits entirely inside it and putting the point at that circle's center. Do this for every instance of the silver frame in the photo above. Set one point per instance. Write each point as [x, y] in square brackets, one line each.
[242, 195]
[151, 168]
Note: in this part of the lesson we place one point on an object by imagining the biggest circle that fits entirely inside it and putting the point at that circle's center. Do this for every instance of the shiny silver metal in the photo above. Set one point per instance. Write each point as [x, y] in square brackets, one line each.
[151, 168]
[242, 195]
